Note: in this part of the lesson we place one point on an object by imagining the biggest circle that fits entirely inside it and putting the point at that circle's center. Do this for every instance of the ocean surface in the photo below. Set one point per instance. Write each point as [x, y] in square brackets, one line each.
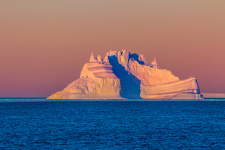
[39, 124]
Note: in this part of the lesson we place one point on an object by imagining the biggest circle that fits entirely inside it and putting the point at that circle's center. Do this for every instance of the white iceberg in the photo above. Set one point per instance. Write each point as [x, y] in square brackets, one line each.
[122, 75]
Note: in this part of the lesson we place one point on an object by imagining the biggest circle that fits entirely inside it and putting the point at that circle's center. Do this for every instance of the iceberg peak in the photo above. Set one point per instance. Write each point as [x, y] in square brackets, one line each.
[99, 58]
[92, 58]
[154, 63]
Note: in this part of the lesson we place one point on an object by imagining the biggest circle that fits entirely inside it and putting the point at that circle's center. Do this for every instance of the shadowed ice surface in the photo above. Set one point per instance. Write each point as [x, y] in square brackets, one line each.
[113, 125]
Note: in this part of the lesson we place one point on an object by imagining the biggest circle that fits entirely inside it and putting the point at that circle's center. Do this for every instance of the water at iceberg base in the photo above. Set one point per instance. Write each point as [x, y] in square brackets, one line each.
[41, 124]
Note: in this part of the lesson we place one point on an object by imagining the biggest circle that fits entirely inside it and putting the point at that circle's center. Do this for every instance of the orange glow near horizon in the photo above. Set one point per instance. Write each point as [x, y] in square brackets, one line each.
[44, 44]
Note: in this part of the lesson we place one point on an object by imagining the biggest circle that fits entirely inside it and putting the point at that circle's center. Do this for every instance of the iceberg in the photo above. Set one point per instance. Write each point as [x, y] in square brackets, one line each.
[123, 75]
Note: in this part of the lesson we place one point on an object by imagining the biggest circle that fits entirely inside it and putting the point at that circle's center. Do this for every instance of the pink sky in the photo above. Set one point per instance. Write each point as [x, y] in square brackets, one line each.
[44, 44]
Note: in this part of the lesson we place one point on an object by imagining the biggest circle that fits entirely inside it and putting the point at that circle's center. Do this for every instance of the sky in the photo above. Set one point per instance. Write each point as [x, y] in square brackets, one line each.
[44, 44]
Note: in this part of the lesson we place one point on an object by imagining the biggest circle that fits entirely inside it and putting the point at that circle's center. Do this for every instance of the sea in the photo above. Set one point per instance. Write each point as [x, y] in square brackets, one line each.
[112, 124]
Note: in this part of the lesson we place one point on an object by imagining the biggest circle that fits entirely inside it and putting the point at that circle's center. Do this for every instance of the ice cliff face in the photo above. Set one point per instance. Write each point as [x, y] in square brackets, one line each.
[124, 75]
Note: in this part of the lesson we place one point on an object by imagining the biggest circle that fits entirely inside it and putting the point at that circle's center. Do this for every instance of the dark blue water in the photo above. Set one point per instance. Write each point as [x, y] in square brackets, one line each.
[113, 125]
